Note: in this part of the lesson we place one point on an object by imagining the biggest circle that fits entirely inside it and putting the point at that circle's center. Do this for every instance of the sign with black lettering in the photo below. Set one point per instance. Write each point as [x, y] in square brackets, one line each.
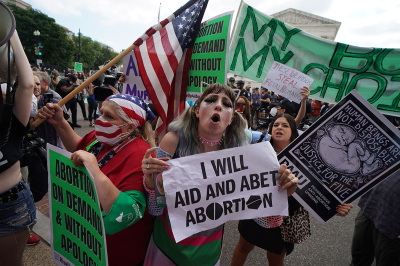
[204, 191]
[77, 229]
[208, 62]
[342, 155]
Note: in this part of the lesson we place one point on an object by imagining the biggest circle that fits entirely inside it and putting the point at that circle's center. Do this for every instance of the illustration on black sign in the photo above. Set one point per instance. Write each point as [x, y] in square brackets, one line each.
[343, 152]
[347, 152]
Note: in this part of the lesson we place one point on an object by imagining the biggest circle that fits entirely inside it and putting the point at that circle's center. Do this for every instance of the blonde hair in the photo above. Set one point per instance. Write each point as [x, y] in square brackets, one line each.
[186, 126]
[145, 131]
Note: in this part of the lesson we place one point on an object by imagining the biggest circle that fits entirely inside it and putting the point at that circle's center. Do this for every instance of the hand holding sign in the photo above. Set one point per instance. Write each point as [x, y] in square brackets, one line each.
[152, 166]
[287, 180]
[344, 209]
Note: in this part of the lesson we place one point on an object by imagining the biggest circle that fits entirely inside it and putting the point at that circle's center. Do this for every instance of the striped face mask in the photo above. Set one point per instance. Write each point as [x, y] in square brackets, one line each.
[108, 133]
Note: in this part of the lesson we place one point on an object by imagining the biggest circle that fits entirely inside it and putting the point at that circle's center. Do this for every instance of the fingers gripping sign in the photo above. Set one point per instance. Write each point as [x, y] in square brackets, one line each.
[152, 166]
[287, 180]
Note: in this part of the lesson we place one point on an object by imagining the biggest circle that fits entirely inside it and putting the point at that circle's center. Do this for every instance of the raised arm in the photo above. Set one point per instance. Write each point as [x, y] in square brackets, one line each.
[305, 92]
[54, 115]
[23, 95]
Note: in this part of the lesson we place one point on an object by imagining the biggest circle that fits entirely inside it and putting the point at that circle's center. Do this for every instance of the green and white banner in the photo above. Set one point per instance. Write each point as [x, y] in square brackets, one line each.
[337, 68]
[77, 229]
[208, 62]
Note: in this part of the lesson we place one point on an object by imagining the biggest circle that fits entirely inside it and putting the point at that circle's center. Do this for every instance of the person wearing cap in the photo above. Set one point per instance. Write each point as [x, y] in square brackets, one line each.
[64, 87]
[265, 98]
[243, 92]
[232, 83]
[112, 153]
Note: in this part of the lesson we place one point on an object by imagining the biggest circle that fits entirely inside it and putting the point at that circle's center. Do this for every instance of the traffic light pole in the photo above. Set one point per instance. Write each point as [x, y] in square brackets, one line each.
[79, 55]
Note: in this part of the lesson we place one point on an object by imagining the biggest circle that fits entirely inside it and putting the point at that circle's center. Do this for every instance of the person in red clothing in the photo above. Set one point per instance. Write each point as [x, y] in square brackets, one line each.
[112, 154]
[316, 110]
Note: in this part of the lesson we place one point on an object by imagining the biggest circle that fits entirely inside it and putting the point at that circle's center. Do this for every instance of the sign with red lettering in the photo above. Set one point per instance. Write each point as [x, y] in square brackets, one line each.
[286, 81]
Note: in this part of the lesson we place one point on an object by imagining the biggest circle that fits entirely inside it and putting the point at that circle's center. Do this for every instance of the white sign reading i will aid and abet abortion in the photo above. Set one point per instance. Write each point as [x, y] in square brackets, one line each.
[286, 81]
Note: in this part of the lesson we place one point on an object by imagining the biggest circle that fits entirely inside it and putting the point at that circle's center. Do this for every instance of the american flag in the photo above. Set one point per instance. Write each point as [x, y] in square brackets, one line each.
[163, 54]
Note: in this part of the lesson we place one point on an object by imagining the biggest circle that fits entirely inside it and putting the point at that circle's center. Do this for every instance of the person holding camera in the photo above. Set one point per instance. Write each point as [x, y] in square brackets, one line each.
[64, 87]
[17, 209]
[44, 133]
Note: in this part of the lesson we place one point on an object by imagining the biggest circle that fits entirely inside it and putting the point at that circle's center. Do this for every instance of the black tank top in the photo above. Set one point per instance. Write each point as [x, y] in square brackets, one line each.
[11, 151]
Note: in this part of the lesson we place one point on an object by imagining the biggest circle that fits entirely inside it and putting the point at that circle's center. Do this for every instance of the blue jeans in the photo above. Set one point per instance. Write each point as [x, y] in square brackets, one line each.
[17, 215]
[92, 108]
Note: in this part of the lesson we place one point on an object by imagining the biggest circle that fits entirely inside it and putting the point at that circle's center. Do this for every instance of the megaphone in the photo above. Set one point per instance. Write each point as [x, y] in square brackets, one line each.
[7, 29]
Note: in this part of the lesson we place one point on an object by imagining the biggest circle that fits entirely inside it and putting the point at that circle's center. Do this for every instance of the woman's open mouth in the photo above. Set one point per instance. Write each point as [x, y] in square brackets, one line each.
[215, 118]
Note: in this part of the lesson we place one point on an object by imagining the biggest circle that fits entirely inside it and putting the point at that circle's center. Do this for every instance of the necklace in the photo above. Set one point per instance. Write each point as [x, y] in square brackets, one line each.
[210, 142]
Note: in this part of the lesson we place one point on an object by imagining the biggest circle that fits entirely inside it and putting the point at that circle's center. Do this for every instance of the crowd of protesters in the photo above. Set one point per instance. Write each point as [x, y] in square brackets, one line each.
[118, 152]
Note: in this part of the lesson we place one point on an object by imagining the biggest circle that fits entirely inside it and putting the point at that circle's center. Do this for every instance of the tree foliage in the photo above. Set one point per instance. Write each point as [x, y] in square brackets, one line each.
[59, 44]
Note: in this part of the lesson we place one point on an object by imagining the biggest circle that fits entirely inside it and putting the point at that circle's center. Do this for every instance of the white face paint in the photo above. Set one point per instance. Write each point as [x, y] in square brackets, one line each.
[215, 114]
[213, 99]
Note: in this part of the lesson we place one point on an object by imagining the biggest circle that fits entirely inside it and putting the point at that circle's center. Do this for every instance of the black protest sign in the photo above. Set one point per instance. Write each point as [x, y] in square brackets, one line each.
[342, 155]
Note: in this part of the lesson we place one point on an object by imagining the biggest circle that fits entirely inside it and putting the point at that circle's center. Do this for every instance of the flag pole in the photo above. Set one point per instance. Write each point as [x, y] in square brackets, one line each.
[38, 121]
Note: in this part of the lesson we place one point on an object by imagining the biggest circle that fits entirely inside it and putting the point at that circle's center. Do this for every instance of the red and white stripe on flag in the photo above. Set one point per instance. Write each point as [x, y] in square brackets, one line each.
[160, 54]
[163, 54]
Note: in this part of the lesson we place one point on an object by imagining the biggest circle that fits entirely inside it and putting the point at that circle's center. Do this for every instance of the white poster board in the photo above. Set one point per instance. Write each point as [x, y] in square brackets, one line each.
[286, 81]
[206, 190]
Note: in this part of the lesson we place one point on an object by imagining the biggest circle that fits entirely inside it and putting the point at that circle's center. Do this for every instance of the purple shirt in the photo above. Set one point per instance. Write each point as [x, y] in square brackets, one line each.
[256, 98]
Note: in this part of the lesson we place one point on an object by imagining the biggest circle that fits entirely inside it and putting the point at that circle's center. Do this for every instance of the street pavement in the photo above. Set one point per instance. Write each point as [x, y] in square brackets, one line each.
[329, 244]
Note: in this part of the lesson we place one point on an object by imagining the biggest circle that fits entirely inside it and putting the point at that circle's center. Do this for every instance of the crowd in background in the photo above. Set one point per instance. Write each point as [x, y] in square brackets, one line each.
[126, 184]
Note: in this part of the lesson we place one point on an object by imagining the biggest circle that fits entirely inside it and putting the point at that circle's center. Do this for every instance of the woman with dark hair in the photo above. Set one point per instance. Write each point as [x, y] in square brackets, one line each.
[243, 107]
[261, 232]
[211, 124]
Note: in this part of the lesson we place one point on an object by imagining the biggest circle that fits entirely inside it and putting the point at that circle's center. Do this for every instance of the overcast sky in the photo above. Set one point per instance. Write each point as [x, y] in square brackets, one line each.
[119, 23]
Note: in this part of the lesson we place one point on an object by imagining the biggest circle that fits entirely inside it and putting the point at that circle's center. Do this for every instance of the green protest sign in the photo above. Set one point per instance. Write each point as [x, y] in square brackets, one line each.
[78, 67]
[337, 68]
[208, 62]
[77, 230]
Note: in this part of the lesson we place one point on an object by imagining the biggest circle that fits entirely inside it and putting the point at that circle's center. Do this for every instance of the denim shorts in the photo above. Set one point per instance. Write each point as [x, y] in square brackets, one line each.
[17, 215]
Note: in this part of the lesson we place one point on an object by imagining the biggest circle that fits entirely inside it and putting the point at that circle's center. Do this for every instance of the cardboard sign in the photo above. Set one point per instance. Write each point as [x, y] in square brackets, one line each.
[345, 153]
[286, 81]
[78, 67]
[204, 191]
[77, 229]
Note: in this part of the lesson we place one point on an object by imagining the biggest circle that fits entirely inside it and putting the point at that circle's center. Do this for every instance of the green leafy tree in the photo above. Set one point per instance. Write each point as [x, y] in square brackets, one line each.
[93, 53]
[57, 44]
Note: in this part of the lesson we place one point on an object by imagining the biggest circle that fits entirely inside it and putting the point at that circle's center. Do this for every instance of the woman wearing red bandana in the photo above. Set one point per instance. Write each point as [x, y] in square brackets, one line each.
[112, 153]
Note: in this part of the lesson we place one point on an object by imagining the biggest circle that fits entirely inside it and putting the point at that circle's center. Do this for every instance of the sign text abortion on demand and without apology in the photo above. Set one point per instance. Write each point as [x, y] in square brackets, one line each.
[206, 190]
[208, 62]
[77, 226]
